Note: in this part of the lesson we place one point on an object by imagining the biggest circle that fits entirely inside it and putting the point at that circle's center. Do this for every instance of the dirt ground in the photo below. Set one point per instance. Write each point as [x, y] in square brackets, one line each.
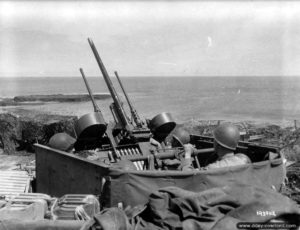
[292, 188]
[15, 162]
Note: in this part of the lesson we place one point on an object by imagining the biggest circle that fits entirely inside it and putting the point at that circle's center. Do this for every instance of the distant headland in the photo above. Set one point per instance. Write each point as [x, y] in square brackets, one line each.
[40, 99]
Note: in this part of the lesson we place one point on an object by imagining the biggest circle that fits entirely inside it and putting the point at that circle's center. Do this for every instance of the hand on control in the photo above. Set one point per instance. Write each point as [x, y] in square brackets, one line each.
[155, 143]
[188, 149]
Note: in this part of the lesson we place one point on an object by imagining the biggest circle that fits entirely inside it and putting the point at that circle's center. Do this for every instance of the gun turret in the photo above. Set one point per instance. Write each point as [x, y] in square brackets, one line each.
[124, 131]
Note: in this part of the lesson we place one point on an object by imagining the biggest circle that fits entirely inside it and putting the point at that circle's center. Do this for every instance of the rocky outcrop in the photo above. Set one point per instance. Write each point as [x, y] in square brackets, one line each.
[9, 132]
[21, 131]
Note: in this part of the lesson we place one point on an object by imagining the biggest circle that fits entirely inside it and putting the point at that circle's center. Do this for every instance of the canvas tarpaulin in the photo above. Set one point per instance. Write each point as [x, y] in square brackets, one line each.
[173, 208]
[219, 208]
[134, 187]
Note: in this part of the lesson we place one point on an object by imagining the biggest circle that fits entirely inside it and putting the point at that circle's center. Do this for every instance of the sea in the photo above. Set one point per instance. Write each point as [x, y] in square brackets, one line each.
[186, 98]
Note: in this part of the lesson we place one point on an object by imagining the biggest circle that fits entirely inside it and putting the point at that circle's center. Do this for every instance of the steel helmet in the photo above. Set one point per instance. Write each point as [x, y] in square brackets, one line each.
[227, 135]
[62, 141]
[180, 137]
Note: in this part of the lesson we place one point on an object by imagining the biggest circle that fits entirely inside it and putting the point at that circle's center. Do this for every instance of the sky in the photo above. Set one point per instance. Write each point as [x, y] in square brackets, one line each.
[146, 38]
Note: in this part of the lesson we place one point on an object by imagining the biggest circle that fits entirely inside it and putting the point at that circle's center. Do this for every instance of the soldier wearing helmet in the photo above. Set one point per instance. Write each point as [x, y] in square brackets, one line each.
[62, 141]
[179, 138]
[226, 138]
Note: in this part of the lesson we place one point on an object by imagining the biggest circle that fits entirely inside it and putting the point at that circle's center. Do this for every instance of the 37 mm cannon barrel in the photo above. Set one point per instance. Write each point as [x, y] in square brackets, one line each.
[117, 103]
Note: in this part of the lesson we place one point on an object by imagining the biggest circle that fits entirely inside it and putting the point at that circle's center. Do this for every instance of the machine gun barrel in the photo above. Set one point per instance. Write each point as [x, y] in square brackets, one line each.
[96, 108]
[117, 103]
[133, 111]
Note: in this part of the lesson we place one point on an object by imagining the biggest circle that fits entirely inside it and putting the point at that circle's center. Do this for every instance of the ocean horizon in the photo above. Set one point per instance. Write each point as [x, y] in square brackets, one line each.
[186, 98]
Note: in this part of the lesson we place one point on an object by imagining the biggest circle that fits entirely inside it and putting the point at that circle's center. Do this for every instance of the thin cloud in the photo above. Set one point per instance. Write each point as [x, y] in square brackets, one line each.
[248, 38]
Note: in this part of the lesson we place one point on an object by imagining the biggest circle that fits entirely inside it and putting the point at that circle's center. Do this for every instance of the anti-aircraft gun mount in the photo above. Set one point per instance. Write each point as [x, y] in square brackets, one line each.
[125, 130]
[126, 137]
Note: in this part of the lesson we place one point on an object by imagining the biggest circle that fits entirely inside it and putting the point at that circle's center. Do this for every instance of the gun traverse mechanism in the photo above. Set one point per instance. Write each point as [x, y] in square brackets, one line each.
[125, 131]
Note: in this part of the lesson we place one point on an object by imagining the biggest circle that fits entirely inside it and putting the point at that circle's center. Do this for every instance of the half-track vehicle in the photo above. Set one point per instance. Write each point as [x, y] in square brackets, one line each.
[128, 138]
